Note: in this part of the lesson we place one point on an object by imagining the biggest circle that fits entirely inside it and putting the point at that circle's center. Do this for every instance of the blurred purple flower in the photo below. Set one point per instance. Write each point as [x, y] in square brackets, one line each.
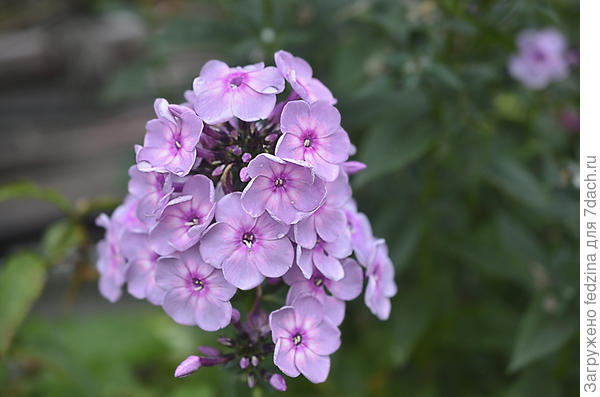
[111, 264]
[141, 267]
[361, 235]
[381, 285]
[541, 58]
[153, 190]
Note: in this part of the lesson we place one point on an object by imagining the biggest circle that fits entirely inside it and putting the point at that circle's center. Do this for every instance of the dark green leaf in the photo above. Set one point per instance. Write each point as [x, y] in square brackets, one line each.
[540, 333]
[21, 282]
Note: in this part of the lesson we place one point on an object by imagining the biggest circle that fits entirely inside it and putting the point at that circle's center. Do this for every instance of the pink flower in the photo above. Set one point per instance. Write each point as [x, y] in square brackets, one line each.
[196, 292]
[346, 289]
[111, 262]
[303, 339]
[312, 133]
[325, 256]
[328, 222]
[361, 235]
[247, 249]
[381, 285]
[286, 189]
[299, 74]
[171, 139]
[186, 217]
[153, 190]
[141, 267]
[542, 58]
[247, 93]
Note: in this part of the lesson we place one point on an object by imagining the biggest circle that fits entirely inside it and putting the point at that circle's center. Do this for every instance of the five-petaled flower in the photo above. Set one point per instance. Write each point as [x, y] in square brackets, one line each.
[312, 133]
[196, 292]
[288, 190]
[171, 139]
[304, 338]
[247, 249]
[247, 93]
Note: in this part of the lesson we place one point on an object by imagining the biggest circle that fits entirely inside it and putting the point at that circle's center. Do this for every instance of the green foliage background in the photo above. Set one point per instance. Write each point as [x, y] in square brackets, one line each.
[468, 179]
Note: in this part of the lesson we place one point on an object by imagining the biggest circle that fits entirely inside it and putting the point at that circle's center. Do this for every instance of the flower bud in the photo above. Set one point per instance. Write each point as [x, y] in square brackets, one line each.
[244, 177]
[244, 362]
[188, 366]
[246, 157]
[254, 360]
[353, 167]
[278, 382]
[251, 381]
[226, 341]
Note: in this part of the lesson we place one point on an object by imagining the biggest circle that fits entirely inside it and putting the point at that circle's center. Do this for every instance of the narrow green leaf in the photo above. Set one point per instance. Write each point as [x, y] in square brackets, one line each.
[60, 238]
[25, 189]
[518, 182]
[21, 282]
[387, 153]
[540, 333]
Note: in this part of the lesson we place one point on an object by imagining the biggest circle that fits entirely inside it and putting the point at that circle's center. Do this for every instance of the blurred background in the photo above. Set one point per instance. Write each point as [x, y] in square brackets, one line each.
[471, 178]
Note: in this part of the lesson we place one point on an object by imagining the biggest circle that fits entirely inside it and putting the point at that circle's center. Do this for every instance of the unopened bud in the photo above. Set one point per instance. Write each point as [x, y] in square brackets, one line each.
[188, 366]
[278, 382]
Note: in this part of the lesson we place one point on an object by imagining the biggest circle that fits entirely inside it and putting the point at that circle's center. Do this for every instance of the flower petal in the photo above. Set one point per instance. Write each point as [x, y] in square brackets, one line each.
[283, 357]
[324, 339]
[218, 243]
[313, 366]
[282, 323]
[212, 314]
[240, 272]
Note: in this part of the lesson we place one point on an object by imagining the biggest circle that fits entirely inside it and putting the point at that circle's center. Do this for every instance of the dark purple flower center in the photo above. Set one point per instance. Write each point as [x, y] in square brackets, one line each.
[306, 142]
[297, 339]
[318, 281]
[539, 55]
[197, 284]
[177, 145]
[236, 81]
[279, 182]
[248, 239]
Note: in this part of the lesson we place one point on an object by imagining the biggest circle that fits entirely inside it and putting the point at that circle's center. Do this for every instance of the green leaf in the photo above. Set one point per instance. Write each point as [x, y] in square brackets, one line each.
[60, 238]
[387, 152]
[25, 189]
[516, 181]
[540, 333]
[412, 313]
[21, 283]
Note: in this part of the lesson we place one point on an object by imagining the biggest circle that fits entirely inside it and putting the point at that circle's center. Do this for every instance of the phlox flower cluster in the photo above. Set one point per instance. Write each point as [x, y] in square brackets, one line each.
[242, 186]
